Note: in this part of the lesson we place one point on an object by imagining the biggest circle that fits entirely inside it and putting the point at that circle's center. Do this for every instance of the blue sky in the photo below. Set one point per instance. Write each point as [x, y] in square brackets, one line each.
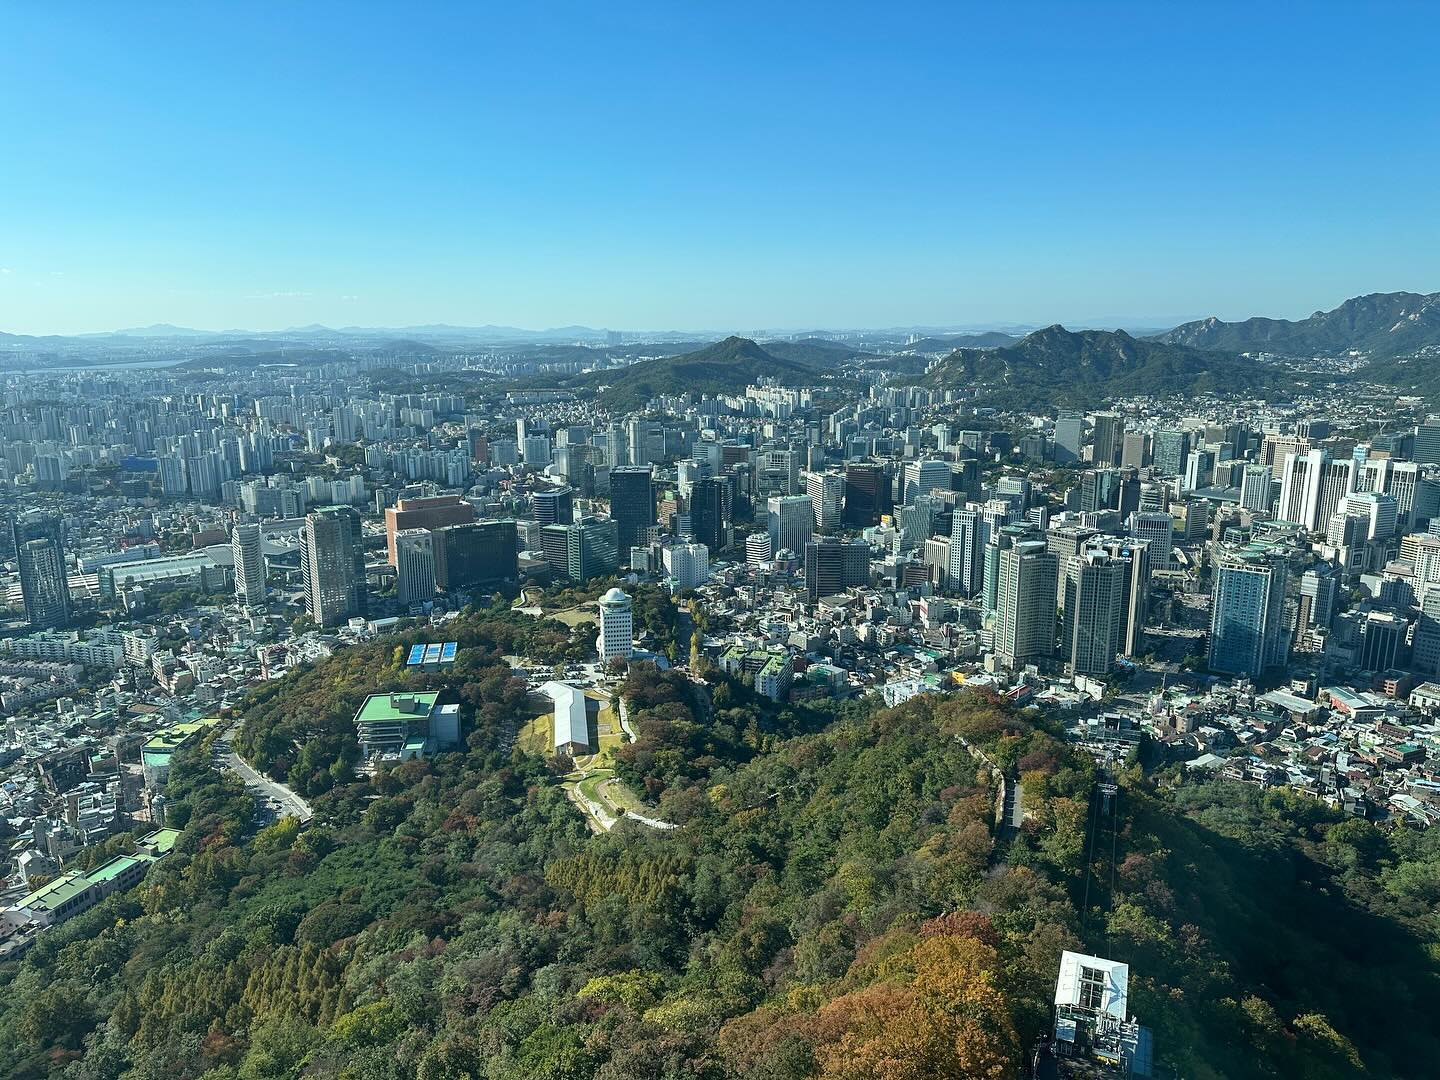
[728, 166]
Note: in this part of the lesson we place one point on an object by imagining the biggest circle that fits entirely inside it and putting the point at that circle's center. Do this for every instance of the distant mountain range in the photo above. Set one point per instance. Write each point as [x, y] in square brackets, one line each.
[1377, 326]
[1081, 369]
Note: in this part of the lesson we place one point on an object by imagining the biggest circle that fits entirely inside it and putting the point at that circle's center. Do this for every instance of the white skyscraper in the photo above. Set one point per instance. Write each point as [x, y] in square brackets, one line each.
[414, 566]
[792, 522]
[1313, 487]
[1255, 486]
[923, 476]
[827, 496]
[249, 564]
[617, 628]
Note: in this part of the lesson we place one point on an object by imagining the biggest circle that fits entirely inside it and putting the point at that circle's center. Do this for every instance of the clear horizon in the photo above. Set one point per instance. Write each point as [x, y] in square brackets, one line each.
[650, 167]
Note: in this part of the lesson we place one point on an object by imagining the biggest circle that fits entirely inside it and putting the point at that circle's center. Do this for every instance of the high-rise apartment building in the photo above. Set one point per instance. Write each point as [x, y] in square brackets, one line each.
[332, 565]
[1025, 604]
[245, 544]
[39, 539]
[1246, 614]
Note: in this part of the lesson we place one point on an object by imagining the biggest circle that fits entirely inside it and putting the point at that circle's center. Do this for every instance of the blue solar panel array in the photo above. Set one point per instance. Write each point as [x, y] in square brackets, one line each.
[437, 652]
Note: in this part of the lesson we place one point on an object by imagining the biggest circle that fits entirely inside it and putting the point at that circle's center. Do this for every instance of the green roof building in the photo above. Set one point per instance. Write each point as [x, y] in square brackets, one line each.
[387, 722]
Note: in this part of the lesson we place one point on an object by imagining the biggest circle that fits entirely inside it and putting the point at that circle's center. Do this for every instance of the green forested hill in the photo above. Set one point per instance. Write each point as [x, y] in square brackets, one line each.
[833, 905]
[1086, 368]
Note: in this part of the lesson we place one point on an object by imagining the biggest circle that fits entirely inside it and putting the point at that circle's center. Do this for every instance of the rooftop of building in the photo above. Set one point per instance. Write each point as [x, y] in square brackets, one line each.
[382, 708]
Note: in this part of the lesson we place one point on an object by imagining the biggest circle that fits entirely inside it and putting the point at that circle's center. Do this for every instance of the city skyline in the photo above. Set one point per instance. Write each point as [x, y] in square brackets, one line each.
[650, 168]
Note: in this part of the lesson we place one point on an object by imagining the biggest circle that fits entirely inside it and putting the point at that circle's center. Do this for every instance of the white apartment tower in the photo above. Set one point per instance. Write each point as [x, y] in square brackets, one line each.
[249, 564]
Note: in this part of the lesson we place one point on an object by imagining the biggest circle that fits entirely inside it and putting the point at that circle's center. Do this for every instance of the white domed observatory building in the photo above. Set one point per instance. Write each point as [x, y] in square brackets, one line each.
[617, 627]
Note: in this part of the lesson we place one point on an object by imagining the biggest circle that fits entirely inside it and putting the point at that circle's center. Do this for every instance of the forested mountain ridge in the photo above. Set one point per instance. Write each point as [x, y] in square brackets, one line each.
[834, 904]
[1081, 369]
[725, 367]
[1379, 325]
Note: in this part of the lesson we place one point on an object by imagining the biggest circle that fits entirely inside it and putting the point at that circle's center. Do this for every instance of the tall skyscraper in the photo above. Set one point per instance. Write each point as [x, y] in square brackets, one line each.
[1246, 613]
[245, 544]
[554, 507]
[44, 584]
[476, 553]
[1025, 604]
[426, 513]
[791, 521]
[414, 566]
[1065, 542]
[832, 566]
[1136, 452]
[968, 534]
[827, 493]
[922, 477]
[632, 504]
[1094, 599]
[867, 494]
[332, 565]
[591, 549]
[1108, 438]
[1312, 488]
[710, 509]
[1069, 438]
[1427, 442]
[1156, 528]
[1135, 557]
[1170, 449]
[1255, 484]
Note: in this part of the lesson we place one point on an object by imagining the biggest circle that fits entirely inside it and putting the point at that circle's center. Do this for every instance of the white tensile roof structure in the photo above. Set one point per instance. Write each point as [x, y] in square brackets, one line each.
[571, 725]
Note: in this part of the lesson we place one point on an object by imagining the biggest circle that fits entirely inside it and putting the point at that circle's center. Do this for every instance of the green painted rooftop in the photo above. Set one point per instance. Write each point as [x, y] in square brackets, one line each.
[379, 708]
[50, 896]
[160, 842]
[112, 869]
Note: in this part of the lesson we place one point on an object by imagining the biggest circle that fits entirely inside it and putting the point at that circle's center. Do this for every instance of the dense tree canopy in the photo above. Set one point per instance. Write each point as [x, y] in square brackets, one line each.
[835, 904]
